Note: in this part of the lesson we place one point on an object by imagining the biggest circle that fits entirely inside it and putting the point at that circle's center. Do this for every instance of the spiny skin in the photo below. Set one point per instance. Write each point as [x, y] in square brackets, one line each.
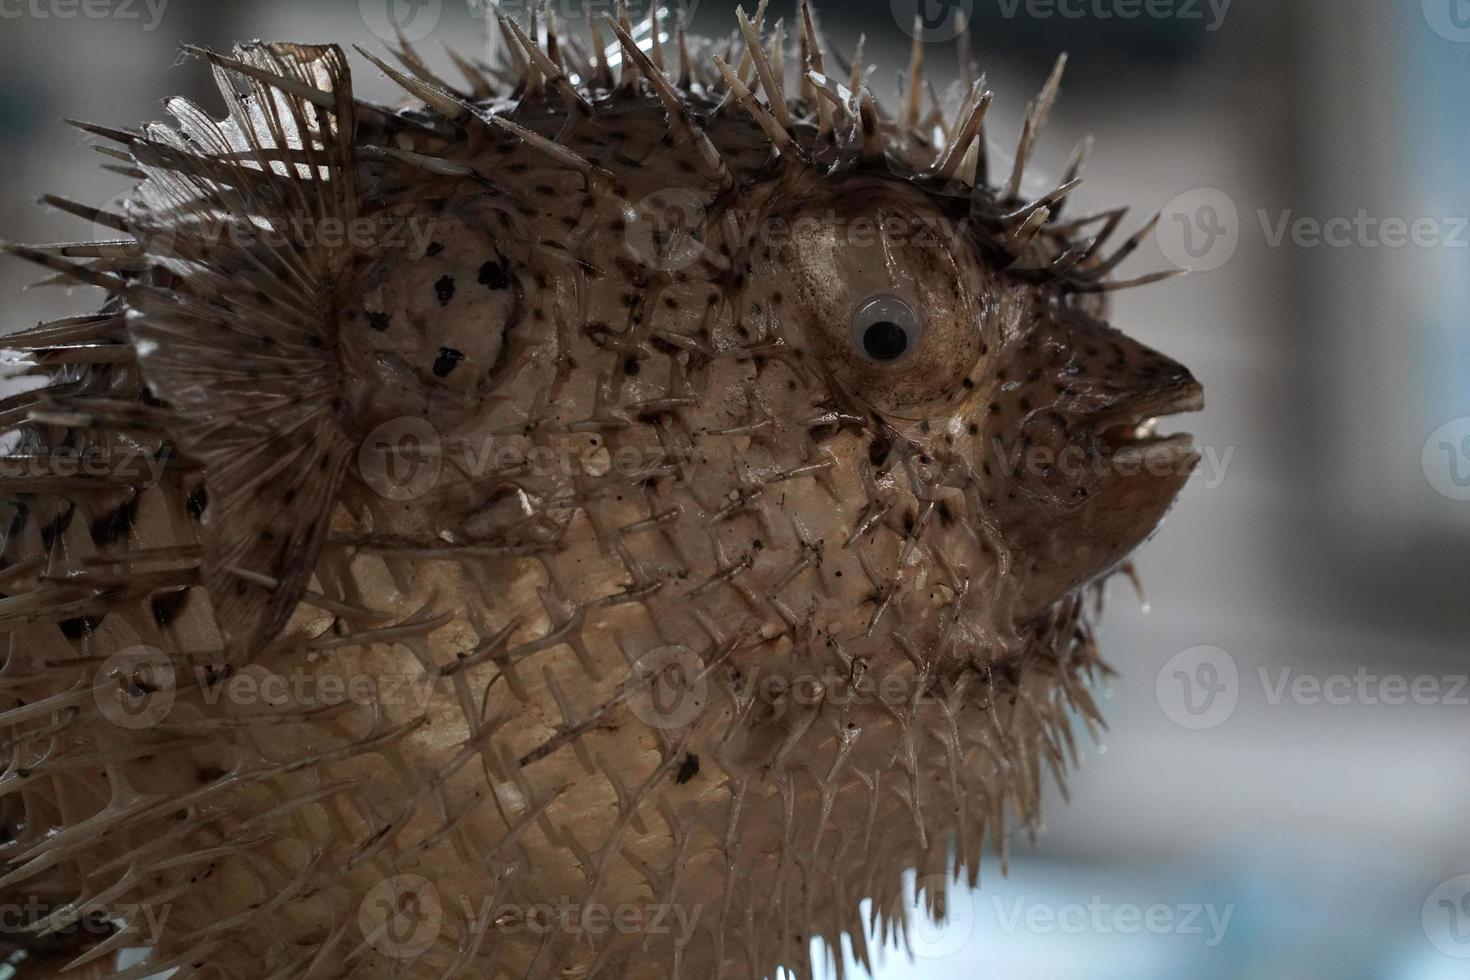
[524, 560]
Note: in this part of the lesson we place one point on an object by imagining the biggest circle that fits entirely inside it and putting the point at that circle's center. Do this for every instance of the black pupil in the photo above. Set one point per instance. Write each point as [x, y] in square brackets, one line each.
[885, 341]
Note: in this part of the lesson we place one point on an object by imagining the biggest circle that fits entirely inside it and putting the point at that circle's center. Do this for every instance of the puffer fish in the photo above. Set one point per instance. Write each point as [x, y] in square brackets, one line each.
[622, 515]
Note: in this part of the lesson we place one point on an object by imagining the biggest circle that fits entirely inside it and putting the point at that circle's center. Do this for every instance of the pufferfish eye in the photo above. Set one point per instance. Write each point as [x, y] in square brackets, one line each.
[886, 328]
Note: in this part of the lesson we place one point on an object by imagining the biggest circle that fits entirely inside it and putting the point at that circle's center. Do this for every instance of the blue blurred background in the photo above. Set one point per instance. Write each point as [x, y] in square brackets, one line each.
[1284, 791]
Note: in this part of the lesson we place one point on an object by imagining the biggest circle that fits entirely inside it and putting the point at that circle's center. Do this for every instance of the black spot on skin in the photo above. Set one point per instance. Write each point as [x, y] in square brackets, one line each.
[198, 500]
[631, 367]
[110, 528]
[879, 448]
[688, 769]
[444, 289]
[79, 628]
[379, 321]
[492, 275]
[446, 362]
[434, 249]
[168, 605]
[22, 516]
[56, 527]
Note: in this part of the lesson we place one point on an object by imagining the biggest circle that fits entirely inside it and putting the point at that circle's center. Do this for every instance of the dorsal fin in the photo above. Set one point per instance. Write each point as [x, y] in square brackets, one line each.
[251, 373]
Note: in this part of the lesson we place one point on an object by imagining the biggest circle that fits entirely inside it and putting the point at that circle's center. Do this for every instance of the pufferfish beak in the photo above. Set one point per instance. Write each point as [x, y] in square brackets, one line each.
[1089, 478]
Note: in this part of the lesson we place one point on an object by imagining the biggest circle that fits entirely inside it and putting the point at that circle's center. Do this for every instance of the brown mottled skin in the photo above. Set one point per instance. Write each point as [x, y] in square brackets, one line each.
[654, 487]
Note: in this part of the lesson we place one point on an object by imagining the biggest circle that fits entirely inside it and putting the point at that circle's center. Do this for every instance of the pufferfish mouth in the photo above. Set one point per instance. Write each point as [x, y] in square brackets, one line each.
[1128, 432]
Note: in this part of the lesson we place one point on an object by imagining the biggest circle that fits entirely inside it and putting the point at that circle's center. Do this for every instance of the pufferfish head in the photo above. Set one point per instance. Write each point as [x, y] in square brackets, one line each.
[1031, 413]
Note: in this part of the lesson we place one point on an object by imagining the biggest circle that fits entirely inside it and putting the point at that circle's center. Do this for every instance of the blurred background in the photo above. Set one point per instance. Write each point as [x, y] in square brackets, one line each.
[1284, 791]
